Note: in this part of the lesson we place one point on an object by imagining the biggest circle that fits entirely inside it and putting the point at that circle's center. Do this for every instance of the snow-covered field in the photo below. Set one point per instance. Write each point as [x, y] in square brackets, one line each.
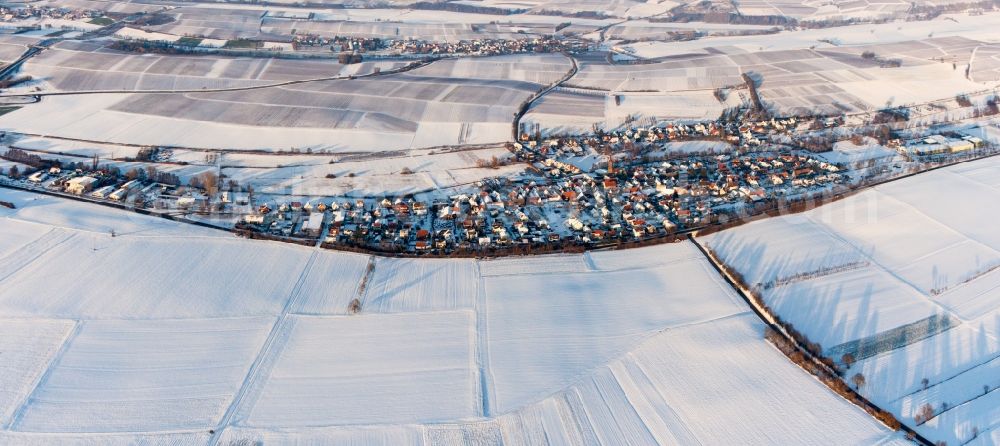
[166, 334]
[84, 66]
[368, 369]
[140, 375]
[426, 107]
[905, 275]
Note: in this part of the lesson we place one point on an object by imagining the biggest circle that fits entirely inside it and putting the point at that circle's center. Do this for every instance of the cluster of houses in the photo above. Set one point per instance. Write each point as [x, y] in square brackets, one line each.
[568, 200]
[28, 11]
[637, 203]
[104, 185]
[338, 43]
[484, 47]
[742, 135]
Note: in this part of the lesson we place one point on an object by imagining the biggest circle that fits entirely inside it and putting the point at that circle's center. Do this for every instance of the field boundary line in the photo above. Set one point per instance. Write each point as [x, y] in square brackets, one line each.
[252, 376]
[18, 413]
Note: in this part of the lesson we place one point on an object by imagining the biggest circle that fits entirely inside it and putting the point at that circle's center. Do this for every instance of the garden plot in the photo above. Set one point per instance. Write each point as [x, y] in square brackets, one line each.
[27, 346]
[547, 330]
[368, 369]
[409, 285]
[99, 276]
[141, 376]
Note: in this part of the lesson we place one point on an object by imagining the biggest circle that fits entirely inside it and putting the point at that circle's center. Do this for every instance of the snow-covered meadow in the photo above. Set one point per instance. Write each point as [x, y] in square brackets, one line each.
[904, 277]
[167, 334]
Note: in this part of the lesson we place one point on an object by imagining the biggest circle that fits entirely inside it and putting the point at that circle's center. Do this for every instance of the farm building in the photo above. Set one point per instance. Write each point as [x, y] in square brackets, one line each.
[80, 185]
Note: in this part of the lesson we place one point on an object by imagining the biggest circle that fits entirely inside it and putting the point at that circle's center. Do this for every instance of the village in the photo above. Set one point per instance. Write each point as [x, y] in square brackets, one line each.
[626, 186]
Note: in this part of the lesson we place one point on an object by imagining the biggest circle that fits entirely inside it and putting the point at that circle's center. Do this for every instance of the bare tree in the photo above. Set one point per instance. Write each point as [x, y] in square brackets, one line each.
[847, 359]
[858, 380]
[924, 414]
[210, 181]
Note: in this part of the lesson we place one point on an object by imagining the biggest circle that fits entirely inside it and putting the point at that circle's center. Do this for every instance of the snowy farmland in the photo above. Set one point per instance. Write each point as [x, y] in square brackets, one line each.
[159, 335]
[88, 66]
[791, 81]
[904, 278]
[468, 101]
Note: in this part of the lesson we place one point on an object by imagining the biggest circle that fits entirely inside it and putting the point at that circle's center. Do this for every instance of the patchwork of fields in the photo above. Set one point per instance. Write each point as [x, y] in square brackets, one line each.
[91, 66]
[109, 343]
[903, 277]
[796, 81]
[467, 101]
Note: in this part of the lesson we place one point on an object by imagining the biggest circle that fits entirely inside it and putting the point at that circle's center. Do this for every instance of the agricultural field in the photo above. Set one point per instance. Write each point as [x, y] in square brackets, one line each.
[468, 101]
[902, 277]
[577, 111]
[376, 175]
[969, 26]
[86, 66]
[844, 79]
[135, 376]
[436, 352]
[212, 23]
